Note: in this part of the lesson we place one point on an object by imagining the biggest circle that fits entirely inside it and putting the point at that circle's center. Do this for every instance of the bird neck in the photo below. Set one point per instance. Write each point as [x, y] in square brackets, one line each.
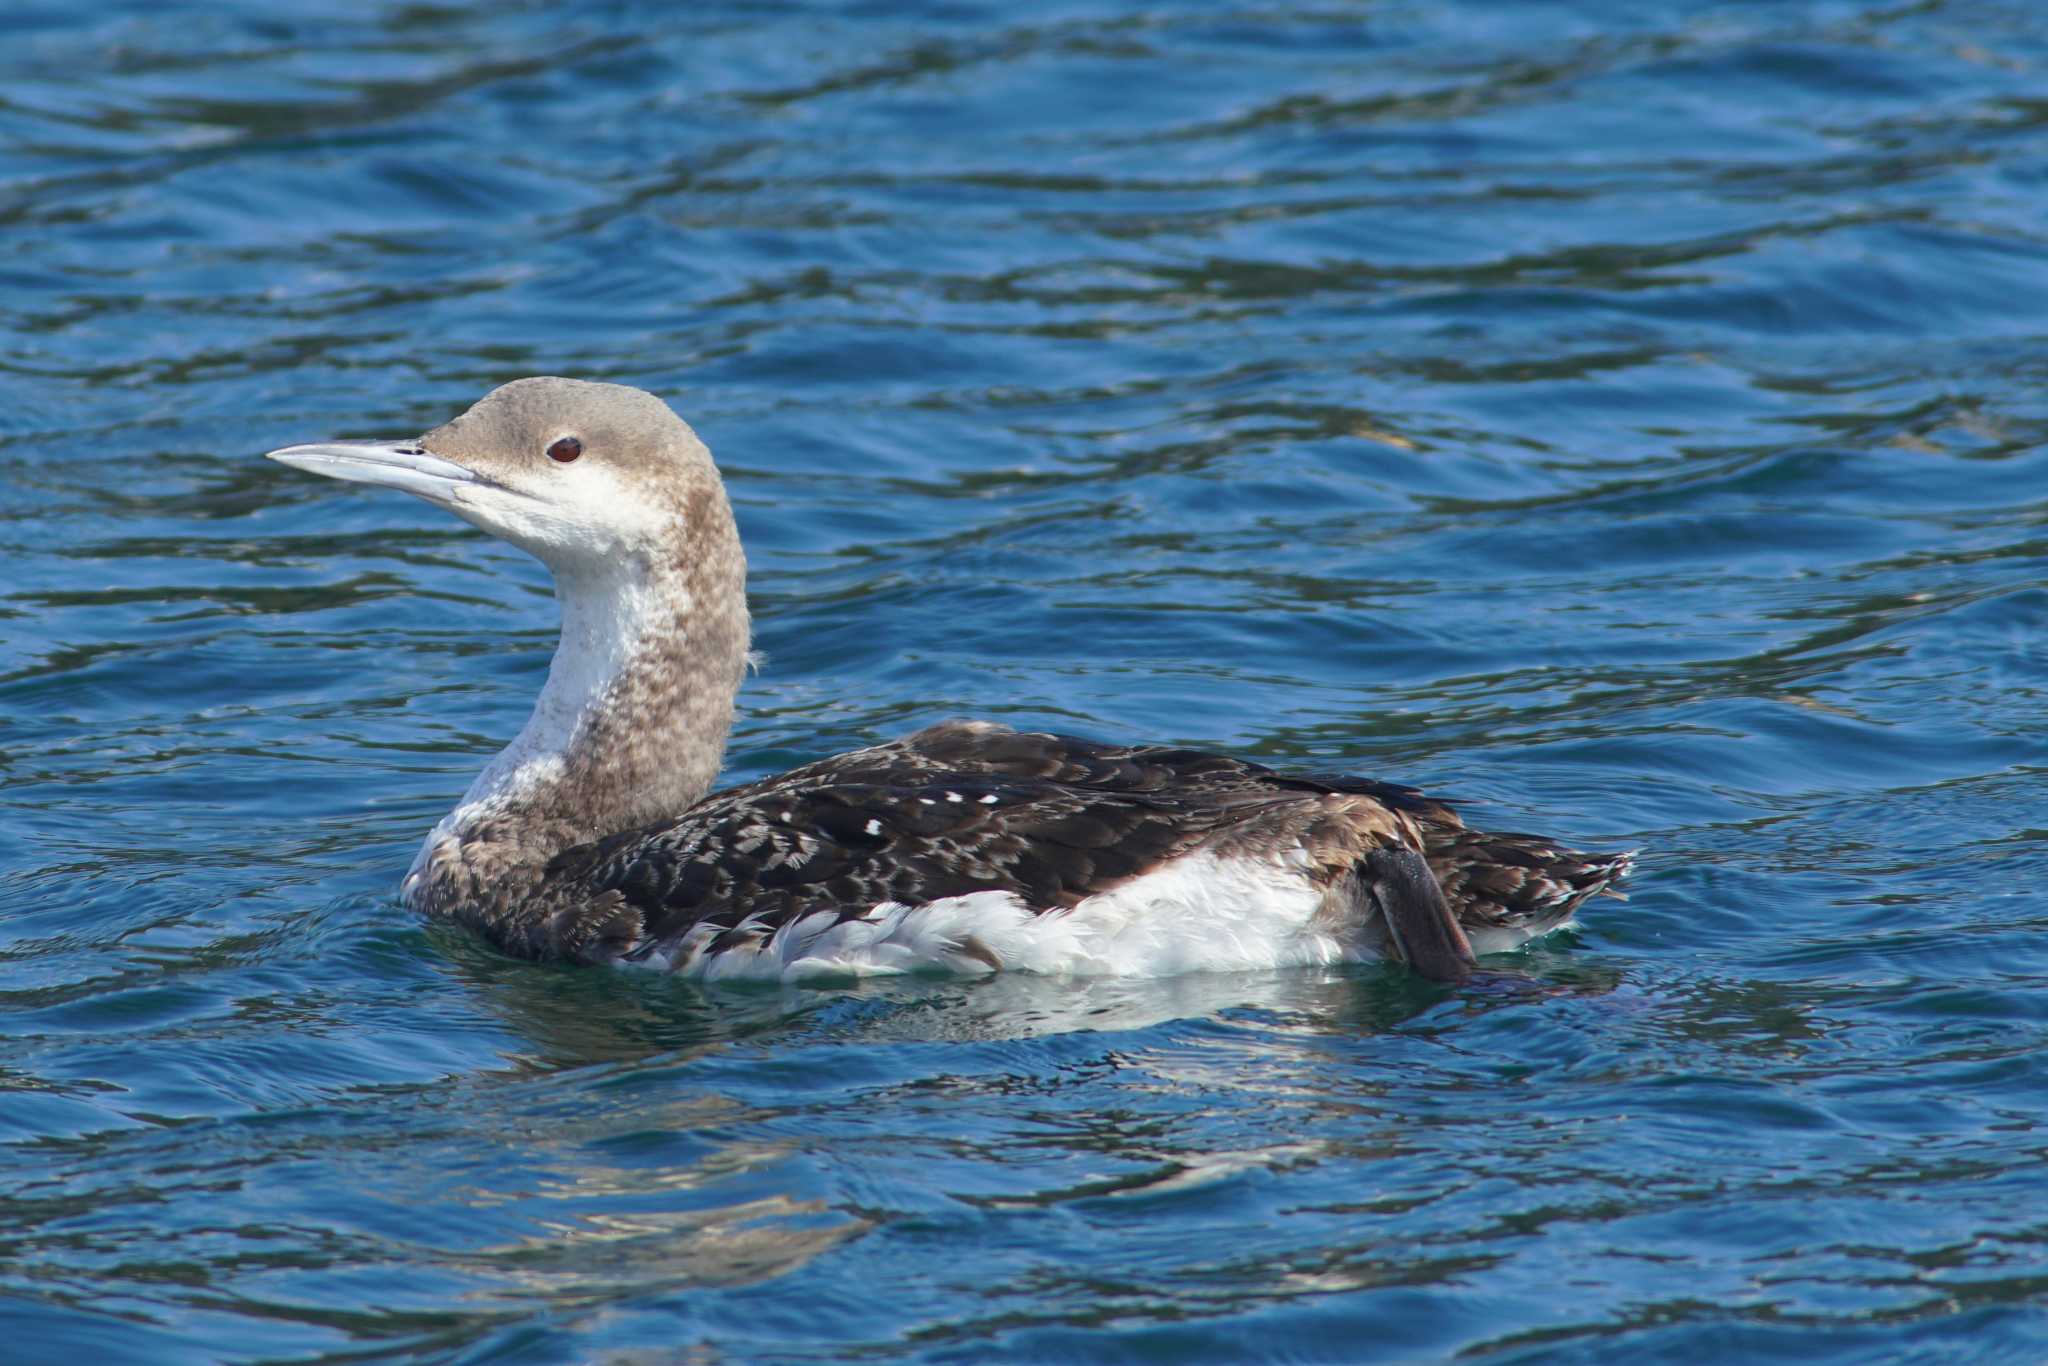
[630, 728]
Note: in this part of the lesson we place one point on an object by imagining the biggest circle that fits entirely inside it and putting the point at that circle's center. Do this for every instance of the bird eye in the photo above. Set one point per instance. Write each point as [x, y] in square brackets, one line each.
[565, 449]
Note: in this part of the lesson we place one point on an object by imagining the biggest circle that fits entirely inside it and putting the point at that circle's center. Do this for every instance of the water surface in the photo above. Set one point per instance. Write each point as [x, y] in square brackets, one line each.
[1628, 419]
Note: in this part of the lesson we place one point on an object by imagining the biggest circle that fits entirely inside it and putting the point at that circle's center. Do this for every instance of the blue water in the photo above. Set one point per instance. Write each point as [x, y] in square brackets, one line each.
[1628, 418]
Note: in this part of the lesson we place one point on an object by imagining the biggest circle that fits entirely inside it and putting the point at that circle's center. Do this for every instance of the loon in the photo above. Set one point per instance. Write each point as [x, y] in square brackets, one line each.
[967, 847]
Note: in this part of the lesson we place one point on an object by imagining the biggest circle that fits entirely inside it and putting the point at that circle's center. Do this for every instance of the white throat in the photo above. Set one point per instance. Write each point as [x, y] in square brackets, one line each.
[612, 615]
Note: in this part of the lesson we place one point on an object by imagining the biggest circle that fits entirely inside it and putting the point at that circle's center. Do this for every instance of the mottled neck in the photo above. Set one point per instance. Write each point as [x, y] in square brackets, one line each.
[630, 728]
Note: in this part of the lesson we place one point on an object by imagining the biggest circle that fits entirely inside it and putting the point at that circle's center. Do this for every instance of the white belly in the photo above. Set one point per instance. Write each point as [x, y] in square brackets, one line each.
[1199, 913]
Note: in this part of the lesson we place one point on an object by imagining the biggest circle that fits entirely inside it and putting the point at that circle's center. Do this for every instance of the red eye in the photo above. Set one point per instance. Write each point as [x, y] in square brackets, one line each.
[565, 449]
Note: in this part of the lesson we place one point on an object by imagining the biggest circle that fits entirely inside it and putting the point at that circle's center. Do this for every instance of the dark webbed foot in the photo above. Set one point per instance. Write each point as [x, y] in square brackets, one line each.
[1420, 926]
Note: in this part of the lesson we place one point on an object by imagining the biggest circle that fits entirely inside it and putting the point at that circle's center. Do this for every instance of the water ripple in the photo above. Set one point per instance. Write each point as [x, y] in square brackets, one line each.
[1628, 419]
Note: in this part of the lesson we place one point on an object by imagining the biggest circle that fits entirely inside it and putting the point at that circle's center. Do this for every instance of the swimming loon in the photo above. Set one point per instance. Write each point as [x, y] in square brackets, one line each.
[966, 847]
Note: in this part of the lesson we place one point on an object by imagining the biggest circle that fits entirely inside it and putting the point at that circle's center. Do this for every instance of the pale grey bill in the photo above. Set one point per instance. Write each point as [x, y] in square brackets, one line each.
[393, 464]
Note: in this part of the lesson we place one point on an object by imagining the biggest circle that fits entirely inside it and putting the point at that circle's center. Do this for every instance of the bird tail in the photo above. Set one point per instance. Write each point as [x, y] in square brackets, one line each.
[1523, 884]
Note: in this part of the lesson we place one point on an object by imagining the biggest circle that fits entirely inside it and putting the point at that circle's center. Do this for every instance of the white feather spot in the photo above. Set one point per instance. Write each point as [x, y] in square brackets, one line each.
[874, 827]
[955, 797]
[989, 800]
